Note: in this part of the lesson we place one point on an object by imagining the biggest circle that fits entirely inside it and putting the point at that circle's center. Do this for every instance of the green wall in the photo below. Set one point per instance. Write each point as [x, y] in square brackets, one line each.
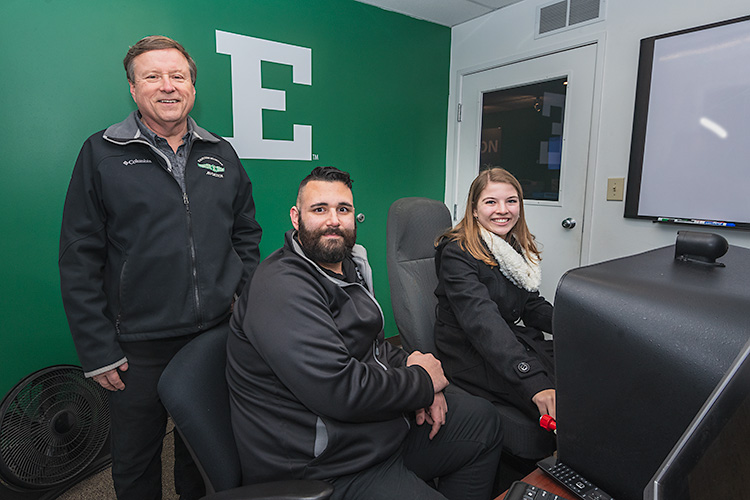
[377, 105]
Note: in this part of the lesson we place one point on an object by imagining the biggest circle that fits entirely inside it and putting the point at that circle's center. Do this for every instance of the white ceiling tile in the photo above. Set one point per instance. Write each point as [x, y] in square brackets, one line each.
[496, 4]
[444, 12]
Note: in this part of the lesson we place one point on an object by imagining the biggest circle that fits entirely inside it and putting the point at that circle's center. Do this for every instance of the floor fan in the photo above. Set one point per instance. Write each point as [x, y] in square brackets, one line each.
[54, 432]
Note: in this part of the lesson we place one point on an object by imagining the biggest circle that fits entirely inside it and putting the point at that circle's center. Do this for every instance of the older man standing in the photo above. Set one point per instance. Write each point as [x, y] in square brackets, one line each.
[158, 238]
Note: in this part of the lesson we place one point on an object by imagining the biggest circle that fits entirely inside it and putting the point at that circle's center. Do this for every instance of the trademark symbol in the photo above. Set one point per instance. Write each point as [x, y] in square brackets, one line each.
[314, 156]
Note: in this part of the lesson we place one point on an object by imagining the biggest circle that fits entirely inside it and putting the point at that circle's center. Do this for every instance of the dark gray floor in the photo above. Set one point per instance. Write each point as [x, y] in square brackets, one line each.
[99, 486]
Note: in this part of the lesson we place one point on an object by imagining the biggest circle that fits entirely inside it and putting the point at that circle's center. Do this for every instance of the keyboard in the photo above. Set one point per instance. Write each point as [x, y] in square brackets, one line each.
[573, 481]
[523, 491]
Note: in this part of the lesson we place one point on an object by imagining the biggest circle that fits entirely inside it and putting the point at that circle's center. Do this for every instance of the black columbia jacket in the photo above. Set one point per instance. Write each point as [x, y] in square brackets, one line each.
[316, 392]
[140, 259]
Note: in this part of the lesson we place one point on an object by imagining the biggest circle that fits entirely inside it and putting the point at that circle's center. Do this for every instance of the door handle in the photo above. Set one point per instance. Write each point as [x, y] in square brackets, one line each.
[569, 223]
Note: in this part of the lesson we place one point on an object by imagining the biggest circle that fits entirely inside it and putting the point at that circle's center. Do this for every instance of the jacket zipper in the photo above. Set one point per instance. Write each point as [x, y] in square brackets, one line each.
[193, 261]
[120, 298]
[375, 348]
[376, 353]
[191, 238]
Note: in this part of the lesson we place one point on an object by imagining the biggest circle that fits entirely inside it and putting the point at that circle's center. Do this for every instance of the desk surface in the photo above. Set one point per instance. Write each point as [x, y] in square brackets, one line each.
[542, 480]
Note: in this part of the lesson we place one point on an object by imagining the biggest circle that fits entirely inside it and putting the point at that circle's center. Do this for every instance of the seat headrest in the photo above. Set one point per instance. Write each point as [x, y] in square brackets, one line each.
[413, 225]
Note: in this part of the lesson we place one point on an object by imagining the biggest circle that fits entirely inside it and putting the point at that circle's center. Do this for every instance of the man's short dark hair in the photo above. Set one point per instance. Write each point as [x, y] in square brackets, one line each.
[326, 174]
[156, 42]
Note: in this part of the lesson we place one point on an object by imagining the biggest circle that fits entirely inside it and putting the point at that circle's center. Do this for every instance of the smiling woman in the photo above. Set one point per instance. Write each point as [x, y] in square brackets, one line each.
[490, 316]
[498, 208]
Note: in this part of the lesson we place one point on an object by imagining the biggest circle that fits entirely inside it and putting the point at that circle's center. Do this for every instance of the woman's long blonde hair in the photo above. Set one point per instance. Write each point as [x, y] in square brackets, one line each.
[467, 233]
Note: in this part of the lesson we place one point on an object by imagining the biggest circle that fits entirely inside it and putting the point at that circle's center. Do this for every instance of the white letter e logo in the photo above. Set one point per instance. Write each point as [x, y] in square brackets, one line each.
[249, 98]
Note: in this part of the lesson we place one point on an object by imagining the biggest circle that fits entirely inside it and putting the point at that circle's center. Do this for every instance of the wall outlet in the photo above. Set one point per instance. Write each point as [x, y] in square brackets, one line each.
[615, 188]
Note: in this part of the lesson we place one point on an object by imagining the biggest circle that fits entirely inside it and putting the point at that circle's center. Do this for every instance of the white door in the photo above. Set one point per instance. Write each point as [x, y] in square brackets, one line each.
[555, 216]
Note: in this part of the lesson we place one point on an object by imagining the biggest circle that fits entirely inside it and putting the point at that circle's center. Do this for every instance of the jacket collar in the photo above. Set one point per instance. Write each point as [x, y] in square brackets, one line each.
[127, 130]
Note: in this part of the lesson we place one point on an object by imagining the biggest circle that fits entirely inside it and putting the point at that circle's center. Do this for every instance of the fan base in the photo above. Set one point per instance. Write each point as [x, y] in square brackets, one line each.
[10, 492]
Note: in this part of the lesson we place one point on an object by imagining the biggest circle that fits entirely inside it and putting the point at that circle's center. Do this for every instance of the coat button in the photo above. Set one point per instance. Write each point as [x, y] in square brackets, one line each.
[523, 367]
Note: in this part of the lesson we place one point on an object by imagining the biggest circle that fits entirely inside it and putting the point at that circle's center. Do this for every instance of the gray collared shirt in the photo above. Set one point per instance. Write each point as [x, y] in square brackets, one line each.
[176, 160]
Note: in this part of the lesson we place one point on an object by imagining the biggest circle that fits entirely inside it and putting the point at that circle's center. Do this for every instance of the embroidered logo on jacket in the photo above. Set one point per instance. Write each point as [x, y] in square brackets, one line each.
[212, 166]
[136, 161]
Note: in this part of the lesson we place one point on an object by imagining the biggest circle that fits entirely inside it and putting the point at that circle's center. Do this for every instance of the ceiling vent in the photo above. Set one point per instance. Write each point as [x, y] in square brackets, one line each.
[567, 14]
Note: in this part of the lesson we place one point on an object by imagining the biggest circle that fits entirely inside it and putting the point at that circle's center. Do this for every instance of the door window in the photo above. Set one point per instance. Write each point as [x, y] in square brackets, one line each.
[522, 131]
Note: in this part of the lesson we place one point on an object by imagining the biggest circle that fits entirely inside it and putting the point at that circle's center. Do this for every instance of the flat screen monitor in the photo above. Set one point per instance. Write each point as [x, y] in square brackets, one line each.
[690, 148]
[711, 460]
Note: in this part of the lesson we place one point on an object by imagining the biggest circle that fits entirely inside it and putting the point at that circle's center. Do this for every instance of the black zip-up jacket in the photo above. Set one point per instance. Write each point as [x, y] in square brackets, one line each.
[139, 258]
[316, 392]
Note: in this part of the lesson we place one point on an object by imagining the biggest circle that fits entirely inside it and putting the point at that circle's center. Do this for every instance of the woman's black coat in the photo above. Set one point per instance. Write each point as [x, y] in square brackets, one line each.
[481, 343]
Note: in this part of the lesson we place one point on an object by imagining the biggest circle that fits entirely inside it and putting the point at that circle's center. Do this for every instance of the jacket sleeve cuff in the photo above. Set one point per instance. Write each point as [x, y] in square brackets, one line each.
[107, 368]
[537, 383]
[427, 395]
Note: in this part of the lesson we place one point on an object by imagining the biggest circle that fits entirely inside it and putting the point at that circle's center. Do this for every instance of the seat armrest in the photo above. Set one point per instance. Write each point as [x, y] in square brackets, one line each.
[293, 489]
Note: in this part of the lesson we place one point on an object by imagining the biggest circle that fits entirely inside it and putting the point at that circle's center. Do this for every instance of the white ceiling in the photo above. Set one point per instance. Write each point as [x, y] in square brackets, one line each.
[445, 12]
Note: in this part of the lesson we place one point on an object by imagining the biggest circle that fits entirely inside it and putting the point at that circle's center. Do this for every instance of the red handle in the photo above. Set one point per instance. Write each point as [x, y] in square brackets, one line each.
[547, 423]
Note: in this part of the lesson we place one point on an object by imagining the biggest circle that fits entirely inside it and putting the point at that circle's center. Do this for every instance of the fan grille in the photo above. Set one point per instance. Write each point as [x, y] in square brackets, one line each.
[54, 424]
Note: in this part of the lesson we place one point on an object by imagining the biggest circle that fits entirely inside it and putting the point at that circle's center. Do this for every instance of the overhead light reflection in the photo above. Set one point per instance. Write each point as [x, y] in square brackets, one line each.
[714, 127]
[705, 50]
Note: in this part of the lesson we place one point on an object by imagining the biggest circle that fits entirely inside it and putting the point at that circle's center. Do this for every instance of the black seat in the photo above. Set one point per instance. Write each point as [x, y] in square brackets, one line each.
[413, 226]
[194, 391]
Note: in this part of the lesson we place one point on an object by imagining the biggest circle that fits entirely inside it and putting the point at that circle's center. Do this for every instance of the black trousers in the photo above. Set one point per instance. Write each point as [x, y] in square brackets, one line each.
[463, 457]
[138, 425]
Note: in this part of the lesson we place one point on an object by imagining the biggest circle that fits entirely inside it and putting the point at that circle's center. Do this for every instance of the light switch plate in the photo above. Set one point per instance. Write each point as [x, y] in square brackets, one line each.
[615, 188]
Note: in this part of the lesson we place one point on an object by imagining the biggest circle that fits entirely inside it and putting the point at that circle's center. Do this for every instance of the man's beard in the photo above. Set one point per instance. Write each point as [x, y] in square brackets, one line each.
[327, 251]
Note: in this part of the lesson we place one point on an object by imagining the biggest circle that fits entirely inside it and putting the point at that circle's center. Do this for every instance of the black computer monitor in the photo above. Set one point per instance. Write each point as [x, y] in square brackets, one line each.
[711, 459]
[640, 344]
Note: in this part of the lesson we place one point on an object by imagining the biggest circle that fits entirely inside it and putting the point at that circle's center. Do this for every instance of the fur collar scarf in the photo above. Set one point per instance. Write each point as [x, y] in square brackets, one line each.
[515, 266]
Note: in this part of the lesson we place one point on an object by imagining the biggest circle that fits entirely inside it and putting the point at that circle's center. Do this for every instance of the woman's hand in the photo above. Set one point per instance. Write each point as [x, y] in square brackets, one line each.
[546, 401]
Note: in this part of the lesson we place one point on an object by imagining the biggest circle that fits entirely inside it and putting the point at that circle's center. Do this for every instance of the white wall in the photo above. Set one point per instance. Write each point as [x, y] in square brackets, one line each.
[508, 34]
